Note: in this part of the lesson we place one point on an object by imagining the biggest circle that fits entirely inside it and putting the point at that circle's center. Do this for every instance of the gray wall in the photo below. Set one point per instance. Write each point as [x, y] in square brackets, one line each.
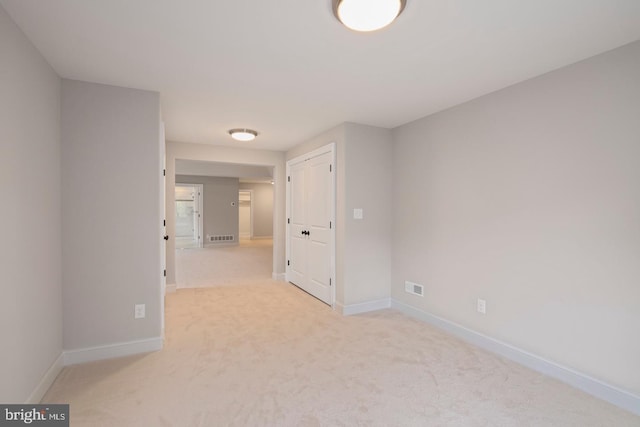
[210, 153]
[111, 215]
[262, 205]
[227, 170]
[31, 302]
[220, 218]
[363, 180]
[529, 198]
[368, 186]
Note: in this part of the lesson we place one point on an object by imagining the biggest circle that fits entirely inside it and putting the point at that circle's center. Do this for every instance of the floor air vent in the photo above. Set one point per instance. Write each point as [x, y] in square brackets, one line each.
[221, 239]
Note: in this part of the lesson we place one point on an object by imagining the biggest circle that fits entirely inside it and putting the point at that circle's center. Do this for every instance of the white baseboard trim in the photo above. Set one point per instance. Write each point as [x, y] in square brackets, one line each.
[46, 381]
[83, 355]
[282, 277]
[363, 307]
[169, 289]
[584, 382]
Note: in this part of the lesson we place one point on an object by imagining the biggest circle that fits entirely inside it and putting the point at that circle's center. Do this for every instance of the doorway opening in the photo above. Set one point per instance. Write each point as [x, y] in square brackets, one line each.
[189, 214]
[245, 214]
[238, 224]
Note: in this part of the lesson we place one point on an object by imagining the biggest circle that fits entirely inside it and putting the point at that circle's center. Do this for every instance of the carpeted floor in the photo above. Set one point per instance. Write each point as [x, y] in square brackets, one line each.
[248, 261]
[264, 353]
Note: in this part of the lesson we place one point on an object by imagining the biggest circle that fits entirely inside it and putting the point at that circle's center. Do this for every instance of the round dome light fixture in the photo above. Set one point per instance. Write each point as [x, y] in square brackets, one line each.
[367, 15]
[243, 135]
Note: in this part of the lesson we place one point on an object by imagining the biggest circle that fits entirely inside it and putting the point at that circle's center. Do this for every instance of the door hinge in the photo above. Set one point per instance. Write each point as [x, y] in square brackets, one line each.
[329, 281]
[288, 262]
[164, 172]
[164, 222]
[165, 273]
[330, 168]
[288, 220]
[330, 224]
[289, 179]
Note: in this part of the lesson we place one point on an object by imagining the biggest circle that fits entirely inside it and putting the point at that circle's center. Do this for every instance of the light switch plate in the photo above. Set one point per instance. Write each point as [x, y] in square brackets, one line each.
[358, 214]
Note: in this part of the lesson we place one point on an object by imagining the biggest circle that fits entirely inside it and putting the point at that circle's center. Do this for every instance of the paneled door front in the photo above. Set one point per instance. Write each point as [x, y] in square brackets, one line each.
[311, 223]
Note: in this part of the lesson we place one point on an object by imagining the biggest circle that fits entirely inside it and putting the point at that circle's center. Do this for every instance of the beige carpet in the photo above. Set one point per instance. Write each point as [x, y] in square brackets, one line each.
[267, 354]
[246, 262]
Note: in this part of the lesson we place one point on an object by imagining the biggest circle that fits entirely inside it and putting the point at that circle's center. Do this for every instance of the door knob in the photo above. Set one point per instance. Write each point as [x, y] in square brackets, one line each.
[166, 237]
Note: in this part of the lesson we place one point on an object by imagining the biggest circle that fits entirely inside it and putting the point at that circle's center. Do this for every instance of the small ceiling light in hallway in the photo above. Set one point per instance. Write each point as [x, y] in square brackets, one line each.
[243, 134]
[367, 15]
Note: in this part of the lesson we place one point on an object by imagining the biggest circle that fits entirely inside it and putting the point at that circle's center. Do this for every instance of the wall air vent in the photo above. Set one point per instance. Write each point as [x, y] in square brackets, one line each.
[414, 288]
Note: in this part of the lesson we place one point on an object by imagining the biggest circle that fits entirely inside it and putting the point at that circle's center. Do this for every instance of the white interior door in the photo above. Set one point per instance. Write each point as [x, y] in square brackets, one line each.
[311, 224]
[319, 220]
[297, 257]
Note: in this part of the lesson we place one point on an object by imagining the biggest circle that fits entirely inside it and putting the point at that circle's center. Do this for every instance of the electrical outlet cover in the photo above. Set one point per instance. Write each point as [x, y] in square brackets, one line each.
[139, 311]
[482, 306]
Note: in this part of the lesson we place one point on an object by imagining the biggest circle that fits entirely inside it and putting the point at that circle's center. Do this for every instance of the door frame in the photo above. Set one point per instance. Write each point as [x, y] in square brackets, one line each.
[240, 190]
[163, 226]
[329, 148]
[200, 202]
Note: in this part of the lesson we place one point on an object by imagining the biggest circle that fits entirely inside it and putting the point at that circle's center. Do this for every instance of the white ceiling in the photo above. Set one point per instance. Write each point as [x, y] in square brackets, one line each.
[288, 69]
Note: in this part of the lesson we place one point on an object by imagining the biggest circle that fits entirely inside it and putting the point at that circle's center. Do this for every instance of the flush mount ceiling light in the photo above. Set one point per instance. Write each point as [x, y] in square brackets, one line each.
[243, 134]
[367, 15]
